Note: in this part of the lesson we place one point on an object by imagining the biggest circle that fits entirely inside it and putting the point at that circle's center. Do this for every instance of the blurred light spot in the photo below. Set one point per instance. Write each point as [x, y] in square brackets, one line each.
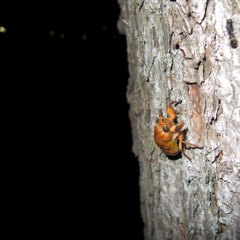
[3, 29]
[115, 35]
[84, 36]
[62, 35]
[51, 33]
[104, 27]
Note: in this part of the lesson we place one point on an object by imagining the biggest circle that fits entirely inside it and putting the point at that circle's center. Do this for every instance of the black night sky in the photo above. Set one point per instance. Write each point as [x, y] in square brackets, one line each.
[66, 77]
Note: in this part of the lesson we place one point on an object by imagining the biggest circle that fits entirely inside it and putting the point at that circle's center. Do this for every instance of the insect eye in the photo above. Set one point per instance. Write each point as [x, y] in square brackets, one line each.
[166, 129]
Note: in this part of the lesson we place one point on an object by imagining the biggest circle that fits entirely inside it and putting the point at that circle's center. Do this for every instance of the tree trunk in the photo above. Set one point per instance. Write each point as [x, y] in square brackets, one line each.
[182, 50]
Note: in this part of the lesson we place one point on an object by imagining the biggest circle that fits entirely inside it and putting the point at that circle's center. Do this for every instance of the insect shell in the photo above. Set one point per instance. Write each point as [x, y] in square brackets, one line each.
[233, 41]
[168, 135]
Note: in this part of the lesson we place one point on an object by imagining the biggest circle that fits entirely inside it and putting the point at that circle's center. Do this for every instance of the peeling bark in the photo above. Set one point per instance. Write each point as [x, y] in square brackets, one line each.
[181, 50]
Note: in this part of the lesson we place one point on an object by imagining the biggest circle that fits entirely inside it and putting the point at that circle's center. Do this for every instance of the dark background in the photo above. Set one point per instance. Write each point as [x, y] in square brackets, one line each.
[65, 97]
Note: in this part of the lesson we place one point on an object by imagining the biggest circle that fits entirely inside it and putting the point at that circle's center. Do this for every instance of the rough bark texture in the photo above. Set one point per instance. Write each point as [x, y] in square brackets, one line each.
[180, 50]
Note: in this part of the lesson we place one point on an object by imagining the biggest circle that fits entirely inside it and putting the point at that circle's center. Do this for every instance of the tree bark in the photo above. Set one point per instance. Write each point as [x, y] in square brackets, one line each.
[181, 50]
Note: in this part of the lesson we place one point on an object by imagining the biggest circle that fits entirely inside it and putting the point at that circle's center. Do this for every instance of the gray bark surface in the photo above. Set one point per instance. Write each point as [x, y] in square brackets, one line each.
[180, 50]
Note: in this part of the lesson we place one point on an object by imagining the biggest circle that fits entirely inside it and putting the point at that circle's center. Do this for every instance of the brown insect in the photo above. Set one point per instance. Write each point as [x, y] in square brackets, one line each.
[168, 135]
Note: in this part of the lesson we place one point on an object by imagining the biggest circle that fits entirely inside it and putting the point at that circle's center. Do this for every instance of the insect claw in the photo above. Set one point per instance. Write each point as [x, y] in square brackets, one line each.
[178, 102]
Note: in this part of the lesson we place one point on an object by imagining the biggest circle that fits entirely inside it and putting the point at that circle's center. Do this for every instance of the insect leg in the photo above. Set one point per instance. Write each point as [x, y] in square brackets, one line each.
[171, 112]
[160, 112]
[175, 102]
[194, 145]
[181, 137]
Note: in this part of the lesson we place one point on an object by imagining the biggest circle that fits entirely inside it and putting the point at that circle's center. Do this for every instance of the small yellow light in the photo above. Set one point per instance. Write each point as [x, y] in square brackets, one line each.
[3, 29]
[84, 36]
[51, 33]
